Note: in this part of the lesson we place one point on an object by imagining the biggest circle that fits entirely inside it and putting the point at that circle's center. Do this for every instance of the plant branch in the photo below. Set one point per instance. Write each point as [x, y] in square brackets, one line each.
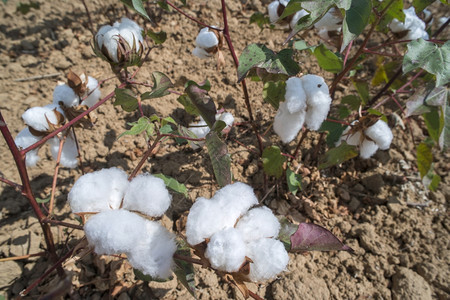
[16, 186]
[55, 174]
[297, 149]
[147, 154]
[61, 223]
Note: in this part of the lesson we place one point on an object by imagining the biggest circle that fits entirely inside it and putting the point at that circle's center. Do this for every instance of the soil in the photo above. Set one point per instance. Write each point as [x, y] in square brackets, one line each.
[379, 207]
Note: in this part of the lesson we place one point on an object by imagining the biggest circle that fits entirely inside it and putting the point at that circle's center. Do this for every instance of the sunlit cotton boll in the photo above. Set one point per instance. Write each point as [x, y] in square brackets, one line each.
[98, 191]
[381, 134]
[93, 92]
[69, 151]
[412, 23]
[318, 100]
[152, 252]
[205, 41]
[23, 140]
[287, 125]
[200, 130]
[269, 259]
[226, 250]
[38, 118]
[273, 11]
[114, 231]
[331, 21]
[258, 223]
[238, 197]
[295, 96]
[148, 195]
[367, 148]
[64, 93]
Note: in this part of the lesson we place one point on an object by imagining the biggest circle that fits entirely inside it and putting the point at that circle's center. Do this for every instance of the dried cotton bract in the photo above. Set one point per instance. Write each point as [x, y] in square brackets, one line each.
[306, 100]
[412, 28]
[232, 232]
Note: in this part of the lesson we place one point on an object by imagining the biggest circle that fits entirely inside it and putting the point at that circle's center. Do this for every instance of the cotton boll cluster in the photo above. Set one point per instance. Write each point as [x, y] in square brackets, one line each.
[276, 9]
[412, 28]
[201, 129]
[233, 231]
[378, 135]
[330, 22]
[206, 43]
[44, 120]
[120, 43]
[307, 100]
[116, 228]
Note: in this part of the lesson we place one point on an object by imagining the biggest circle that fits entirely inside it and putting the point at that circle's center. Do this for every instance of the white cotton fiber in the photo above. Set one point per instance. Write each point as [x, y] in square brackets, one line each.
[127, 23]
[314, 86]
[351, 139]
[227, 118]
[114, 231]
[287, 125]
[200, 130]
[318, 100]
[23, 140]
[226, 250]
[297, 16]
[93, 90]
[331, 21]
[414, 25]
[110, 42]
[237, 197]
[258, 223]
[58, 108]
[99, 37]
[381, 134]
[295, 96]
[204, 219]
[69, 152]
[201, 53]
[273, 11]
[98, 191]
[269, 259]
[63, 93]
[38, 118]
[206, 39]
[152, 252]
[148, 195]
[367, 149]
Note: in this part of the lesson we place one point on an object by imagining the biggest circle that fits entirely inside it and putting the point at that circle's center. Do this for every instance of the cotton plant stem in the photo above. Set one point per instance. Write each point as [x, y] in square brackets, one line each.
[55, 175]
[80, 159]
[19, 159]
[16, 186]
[226, 34]
[147, 154]
[299, 144]
[91, 25]
[349, 48]
[61, 223]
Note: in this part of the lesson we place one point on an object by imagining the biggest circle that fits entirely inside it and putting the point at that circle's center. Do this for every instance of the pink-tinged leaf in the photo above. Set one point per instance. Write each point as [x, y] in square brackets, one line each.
[312, 237]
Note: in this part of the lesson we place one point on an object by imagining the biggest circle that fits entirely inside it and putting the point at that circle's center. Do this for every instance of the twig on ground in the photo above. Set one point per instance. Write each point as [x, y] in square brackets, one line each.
[37, 77]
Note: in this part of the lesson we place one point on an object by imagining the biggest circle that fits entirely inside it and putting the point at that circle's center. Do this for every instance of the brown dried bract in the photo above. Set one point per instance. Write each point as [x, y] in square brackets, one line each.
[86, 122]
[76, 84]
[361, 125]
[60, 120]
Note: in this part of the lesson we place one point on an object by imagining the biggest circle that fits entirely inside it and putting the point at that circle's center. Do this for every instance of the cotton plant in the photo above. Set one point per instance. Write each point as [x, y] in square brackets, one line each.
[330, 24]
[276, 9]
[370, 138]
[42, 121]
[121, 44]
[118, 225]
[412, 28]
[201, 129]
[236, 234]
[307, 101]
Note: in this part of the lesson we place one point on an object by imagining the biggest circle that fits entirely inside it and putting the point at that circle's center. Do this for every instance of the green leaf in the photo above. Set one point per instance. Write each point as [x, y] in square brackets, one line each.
[420, 5]
[218, 126]
[444, 141]
[375, 112]
[334, 132]
[294, 181]
[291, 8]
[430, 57]
[166, 129]
[157, 37]
[352, 101]
[124, 98]
[434, 181]
[259, 19]
[45, 200]
[395, 10]
[220, 158]
[137, 6]
[173, 184]
[203, 103]
[185, 270]
[147, 278]
[163, 5]
[328, 60]
[424, 98]
[143, 124]
[338, 155]
[434, 122]
[287, 229]
[362, 87]
[424, 158]
[25, 8]
[189, 107]
[205, 85]
[161, 84]
[273, 161]
[356, 19]
[301, 45]
[273, 92]
[259, 56]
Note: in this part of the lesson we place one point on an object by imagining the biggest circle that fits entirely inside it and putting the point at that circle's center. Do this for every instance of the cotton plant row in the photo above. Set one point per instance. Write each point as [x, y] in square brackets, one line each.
[68, 102]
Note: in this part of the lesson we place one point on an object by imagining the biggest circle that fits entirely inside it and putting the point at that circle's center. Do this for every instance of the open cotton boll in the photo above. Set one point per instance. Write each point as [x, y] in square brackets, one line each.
[201, 53]
[63, 93]
[367, 149]
[206, 39]
[69, 151]
[204, 219]
[273, 11]
[238, 195]
[297, 16]
[114, 231]
[258, 223]
[53, 106]
[381, 134]
[269, 259]
[38, 118]
[200, 130]
[93, 90]
[226, 250]
[148, 195]
[110, 42]
[287, 125]
[226, 117]
[23, 140]
[125, 22]
[330, 21]
[414, 25]
[152, 253]
[351, 139]
[314, 86]
[317, 113]
[98, 191]
[295, 96]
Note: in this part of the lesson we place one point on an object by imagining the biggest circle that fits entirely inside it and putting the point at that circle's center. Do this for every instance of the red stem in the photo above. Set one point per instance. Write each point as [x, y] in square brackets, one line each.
[61, 223]
[16, 186]
[348, 52]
